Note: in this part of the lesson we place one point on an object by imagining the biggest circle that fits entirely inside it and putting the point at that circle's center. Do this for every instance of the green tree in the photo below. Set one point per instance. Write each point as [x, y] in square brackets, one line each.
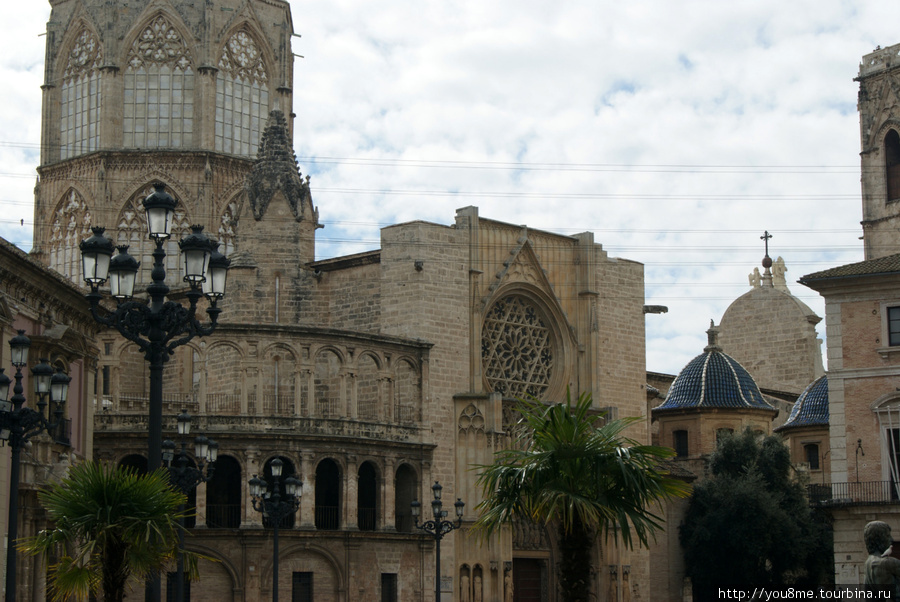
[750, 524]
[110, 524]
[572, 468]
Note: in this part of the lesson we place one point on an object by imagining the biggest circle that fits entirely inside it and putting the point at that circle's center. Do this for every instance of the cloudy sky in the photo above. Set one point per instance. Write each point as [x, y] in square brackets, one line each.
[676, 131]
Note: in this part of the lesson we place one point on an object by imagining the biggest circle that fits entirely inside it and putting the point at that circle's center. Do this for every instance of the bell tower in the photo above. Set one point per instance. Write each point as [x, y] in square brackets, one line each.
[879, 120]
[176, 91]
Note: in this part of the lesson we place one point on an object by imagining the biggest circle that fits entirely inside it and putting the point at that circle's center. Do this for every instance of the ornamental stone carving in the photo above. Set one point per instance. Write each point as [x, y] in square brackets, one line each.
[159, 44]
[84, 57]
[517, 348]
[242, 59]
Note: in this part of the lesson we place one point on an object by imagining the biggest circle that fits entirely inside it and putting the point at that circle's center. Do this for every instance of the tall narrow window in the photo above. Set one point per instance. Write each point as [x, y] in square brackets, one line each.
[242, 96]
[367, 497]
[892, 164]
[159, 89]
[79, 122]
[681, 443]
[812, 455]
[302, 587]
[71, 225]
[171, 583]
[405, 488]
[328, 495]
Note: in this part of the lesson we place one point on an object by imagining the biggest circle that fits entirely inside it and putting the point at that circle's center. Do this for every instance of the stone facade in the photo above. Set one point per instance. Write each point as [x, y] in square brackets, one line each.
[53, 314]
[371, 376]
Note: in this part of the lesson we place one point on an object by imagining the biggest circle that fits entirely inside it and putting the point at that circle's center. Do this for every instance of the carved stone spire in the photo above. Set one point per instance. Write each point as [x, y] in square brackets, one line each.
[276, 170]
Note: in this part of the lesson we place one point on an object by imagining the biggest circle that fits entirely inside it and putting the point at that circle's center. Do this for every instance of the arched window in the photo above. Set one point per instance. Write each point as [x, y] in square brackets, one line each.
[79, 123]
[328, 495]
[328, 385]
[405, 488]
[892, 164]
[71, 225]
[408, 393]
[367, 393]
[287, 470]
[159, 89]
[367, 497]
[132, 231]
[136, 462]
[223, 495]
[242, 96]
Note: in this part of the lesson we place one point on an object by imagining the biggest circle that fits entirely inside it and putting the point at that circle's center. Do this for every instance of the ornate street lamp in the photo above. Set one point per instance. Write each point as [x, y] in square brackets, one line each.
[185, 478]
[275, 507]
[158, 326]
[438, 527]
[18, 424]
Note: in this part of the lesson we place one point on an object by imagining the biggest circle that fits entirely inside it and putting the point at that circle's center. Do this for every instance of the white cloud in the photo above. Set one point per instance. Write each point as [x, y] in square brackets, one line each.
[618, 93]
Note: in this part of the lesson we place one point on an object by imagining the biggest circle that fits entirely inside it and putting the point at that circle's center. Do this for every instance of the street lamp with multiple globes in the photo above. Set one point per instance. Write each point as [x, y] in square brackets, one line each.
[275, 507]
[18, 424]
[159, 326]
[185, 478]
[438, 527]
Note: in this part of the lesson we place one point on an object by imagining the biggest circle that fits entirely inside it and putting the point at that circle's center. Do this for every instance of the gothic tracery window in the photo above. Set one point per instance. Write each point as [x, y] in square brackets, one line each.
[132, 231]
[159, 89]
[71, 225]
[242, 96]
[517, 348]
[79, 123]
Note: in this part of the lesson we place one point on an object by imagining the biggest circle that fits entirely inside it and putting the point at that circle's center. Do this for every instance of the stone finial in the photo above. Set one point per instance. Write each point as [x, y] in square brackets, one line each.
[712, 337]
[276, 169]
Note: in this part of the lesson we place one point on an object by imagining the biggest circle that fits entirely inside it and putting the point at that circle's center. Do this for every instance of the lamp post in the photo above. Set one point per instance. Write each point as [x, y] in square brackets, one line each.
[18, 424]
[185, 479]
[275, 507]
[438, 527]
[159, 326]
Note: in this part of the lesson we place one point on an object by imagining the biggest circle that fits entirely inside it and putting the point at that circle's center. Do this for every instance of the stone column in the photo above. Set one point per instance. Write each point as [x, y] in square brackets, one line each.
[350, 509]
[308, 502]
[251, 518]
[389, 495]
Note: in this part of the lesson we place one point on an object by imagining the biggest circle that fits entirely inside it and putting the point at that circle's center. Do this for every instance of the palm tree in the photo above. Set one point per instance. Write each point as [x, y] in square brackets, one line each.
[576, 470]
[110, 524]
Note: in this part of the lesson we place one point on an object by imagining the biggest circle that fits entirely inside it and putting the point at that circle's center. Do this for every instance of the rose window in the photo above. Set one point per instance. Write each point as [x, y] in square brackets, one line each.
[517, 348]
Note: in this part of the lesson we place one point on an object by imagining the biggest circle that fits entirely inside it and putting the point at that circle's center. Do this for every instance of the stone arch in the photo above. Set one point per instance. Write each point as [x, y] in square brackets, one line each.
[288, 469]
[159, 55]
[368, 386]
[367, 494]
[243, 94]
[328, 389]
[211, 571]
[279, 379]
[525, 336]
[329, 492]
[138, 462]
[224, 383]
[79, 75]
[224, 494]
[71, 223]
[406, 487]
[131, 230]
[312, 558]
[407, 402]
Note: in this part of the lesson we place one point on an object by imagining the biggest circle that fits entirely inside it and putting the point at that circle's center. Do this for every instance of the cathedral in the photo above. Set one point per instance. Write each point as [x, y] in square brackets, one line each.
[370, 376]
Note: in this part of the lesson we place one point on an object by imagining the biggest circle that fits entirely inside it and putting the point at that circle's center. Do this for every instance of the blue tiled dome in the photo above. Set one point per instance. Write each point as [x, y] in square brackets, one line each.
[714, 380]
[811, 408]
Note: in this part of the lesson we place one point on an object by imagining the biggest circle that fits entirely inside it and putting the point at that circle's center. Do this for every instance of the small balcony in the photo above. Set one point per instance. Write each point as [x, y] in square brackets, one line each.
[837, 495]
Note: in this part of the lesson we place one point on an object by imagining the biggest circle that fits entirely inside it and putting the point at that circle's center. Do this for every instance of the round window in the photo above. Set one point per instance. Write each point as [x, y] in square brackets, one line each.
[517, 348]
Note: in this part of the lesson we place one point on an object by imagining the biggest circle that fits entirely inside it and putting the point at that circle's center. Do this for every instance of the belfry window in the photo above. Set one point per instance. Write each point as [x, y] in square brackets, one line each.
[159, 89]
[79, 126]
[892, 164]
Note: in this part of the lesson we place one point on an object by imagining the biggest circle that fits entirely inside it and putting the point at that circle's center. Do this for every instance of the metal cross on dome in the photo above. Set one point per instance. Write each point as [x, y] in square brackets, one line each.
[765, 237]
